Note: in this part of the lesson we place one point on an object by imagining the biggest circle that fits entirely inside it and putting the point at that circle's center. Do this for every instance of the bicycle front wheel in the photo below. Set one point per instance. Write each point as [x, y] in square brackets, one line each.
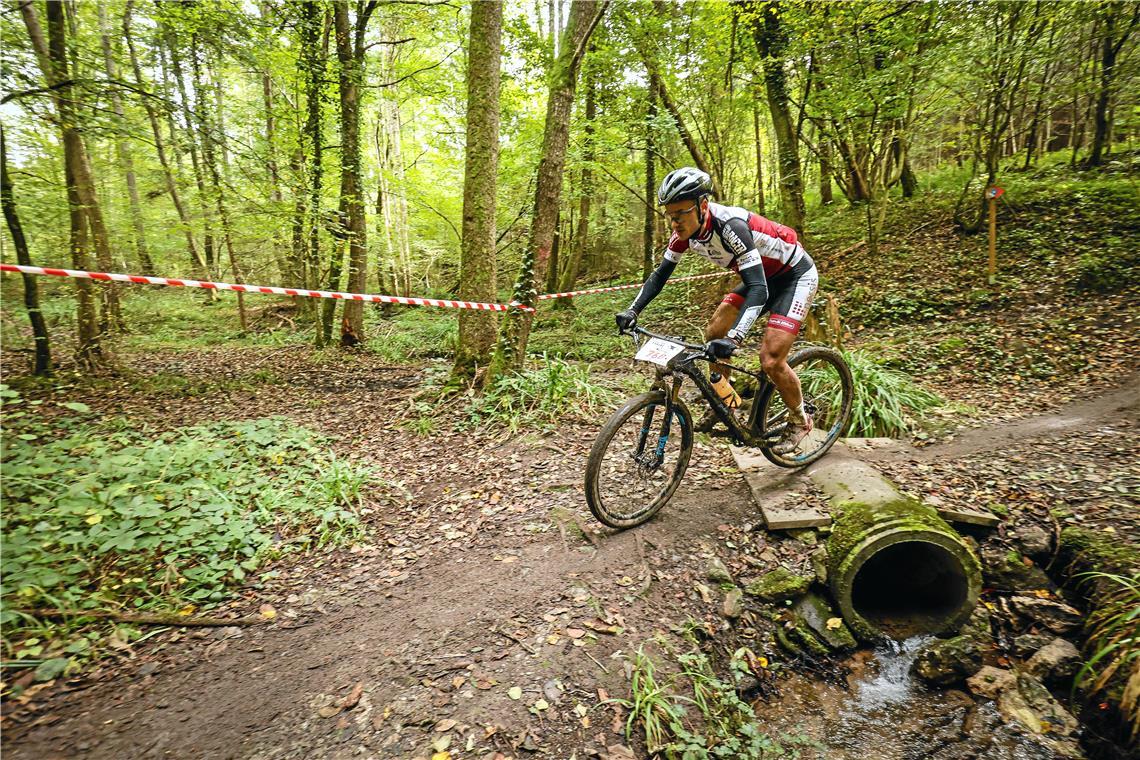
[828, 391]
[638, 460]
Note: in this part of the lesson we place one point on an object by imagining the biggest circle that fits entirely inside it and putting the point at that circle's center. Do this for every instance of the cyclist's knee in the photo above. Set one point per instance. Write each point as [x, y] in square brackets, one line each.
[722, 320]
[773, 362]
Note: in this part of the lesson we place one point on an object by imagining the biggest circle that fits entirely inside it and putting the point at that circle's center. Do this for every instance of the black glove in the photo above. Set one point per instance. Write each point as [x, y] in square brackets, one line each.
[721, 348]
[626, 320]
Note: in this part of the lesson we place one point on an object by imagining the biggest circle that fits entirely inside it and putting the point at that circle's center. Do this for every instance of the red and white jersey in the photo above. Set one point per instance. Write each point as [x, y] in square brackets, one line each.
[735, 238]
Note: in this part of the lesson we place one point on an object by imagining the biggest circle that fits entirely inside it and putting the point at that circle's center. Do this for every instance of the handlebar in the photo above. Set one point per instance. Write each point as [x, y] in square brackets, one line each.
[639, 330]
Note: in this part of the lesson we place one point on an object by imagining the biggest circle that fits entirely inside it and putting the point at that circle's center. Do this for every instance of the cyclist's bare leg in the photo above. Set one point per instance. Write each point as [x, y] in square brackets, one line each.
[774, 359]
[722, 321]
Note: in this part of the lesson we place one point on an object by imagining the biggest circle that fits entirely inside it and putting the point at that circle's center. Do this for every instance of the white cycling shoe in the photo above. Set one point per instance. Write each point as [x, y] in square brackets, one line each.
[792, 436]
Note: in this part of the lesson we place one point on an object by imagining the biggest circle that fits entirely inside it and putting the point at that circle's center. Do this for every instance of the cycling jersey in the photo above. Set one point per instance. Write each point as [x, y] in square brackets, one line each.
[736, 239]
[755, 248]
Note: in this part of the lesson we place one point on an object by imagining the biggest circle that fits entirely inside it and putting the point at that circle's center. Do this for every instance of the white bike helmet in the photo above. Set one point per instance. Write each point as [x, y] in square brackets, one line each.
[684, 184]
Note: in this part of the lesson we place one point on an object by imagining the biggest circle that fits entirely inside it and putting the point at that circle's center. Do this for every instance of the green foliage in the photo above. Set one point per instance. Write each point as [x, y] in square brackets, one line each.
[540, 395]
[710, 721]
[1113, 643]
[106, 517]
[415, 333]
[888, 402]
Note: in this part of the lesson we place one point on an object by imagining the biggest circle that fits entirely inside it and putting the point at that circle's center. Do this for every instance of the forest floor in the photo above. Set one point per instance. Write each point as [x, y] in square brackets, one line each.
[483, 573]
[485, 613]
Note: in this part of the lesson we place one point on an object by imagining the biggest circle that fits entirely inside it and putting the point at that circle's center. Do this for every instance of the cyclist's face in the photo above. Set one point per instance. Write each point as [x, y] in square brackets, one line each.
[684, 217]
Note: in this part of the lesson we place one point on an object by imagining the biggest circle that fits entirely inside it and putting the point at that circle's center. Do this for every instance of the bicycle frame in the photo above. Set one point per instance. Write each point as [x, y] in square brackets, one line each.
[670, 378]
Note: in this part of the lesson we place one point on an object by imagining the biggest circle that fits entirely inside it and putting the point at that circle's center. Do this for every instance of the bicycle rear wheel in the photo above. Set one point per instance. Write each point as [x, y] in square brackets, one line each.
[828, 391]
[636, 463]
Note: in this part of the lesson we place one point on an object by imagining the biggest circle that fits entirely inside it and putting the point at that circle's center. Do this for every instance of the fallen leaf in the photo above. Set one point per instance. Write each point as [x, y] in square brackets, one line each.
[353, 697]
[541, 704]
[328, 711]
[553, 639]
[267, 611]
[441, 744]
[445, 725]
[834, 623]
[575, 633]
[514, 692]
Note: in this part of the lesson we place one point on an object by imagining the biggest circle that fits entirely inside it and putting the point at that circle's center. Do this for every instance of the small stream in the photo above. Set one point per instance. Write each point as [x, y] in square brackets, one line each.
[886, 714]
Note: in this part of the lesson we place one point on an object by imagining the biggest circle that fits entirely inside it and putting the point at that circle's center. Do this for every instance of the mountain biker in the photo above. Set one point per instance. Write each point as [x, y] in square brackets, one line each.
[777, 276]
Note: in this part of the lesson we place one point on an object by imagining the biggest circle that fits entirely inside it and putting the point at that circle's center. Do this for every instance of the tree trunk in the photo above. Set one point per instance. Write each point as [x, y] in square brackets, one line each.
[477, 263]
[649, 243]
[192, 127]
[584, 17]
[350, 55]
[196, 259]
[582, 236]
[209, 131]
[825, 196]
[123, 148]
[674, 109]
[771, 40]
[1110, 49]
[759, 153]
[40, 337]
[312, 63]
[53, 59]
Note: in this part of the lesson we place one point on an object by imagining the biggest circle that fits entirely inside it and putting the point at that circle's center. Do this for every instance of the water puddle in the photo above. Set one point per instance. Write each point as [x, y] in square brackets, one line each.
[886, 714]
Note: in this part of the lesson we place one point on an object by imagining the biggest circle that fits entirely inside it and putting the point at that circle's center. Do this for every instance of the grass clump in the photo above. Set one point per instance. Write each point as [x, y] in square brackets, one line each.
[1113, 645]
[539, 395]
[709, 720]
[888, 402]
[104, 517]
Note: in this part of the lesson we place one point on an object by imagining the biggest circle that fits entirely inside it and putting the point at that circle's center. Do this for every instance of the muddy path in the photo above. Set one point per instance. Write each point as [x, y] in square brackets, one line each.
[485, 613]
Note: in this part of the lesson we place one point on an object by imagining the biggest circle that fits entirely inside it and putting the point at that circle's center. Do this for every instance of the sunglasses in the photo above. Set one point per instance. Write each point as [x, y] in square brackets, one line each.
[677, 216]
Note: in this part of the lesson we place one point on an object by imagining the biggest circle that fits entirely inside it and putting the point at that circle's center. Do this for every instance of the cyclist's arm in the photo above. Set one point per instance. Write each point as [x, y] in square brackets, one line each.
[754, 299]
[653, 284]
[738, 237]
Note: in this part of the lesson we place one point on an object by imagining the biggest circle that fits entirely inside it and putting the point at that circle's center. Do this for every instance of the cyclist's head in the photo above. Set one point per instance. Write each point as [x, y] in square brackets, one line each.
[684, 193]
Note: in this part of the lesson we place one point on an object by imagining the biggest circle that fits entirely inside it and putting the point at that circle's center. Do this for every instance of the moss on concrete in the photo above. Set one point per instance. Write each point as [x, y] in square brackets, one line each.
[779, 585]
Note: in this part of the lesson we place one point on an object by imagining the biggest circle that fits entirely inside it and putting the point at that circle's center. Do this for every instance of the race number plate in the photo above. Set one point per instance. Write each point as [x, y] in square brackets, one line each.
[658, 351]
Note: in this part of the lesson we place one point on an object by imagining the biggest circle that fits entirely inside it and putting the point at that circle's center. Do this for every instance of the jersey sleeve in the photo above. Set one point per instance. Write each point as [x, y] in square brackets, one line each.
[737, 237]
[755, 297]
[676, 248]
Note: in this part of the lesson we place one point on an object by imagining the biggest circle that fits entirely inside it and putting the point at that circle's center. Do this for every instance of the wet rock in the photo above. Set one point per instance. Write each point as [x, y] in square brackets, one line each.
[819, 563]
[801, 639]
[778, 585]
[1005, 569]
[1028, 643]
[1058, 617]
[990, 682]
[1031, 704]
[947, 661]
[1054, 662]
[977, 626]
[814, 611]
[1033, 540]
[717, 572]
[733, 604]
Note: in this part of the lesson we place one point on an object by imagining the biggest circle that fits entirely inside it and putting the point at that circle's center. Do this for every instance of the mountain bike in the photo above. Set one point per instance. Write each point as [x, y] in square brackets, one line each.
[642, 452]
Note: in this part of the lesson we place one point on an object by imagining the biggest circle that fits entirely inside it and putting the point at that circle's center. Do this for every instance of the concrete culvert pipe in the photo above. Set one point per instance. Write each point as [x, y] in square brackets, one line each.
[897, 569]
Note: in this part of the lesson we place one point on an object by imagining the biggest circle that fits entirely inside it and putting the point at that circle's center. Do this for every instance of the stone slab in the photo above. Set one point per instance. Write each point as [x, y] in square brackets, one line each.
[768, 484]
[845, 479]
[968, 516]
[876, 444]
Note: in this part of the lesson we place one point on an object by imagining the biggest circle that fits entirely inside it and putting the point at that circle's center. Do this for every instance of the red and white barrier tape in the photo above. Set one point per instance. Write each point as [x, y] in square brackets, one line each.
[143, 280]
[547, 296]
[407, 301]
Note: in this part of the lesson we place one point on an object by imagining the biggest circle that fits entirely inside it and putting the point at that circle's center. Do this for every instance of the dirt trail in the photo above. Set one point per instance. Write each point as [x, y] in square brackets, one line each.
[1119, 405]
[488, 575]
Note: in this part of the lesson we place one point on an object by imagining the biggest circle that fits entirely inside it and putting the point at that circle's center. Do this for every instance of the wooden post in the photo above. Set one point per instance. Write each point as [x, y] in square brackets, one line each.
[992, 194]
